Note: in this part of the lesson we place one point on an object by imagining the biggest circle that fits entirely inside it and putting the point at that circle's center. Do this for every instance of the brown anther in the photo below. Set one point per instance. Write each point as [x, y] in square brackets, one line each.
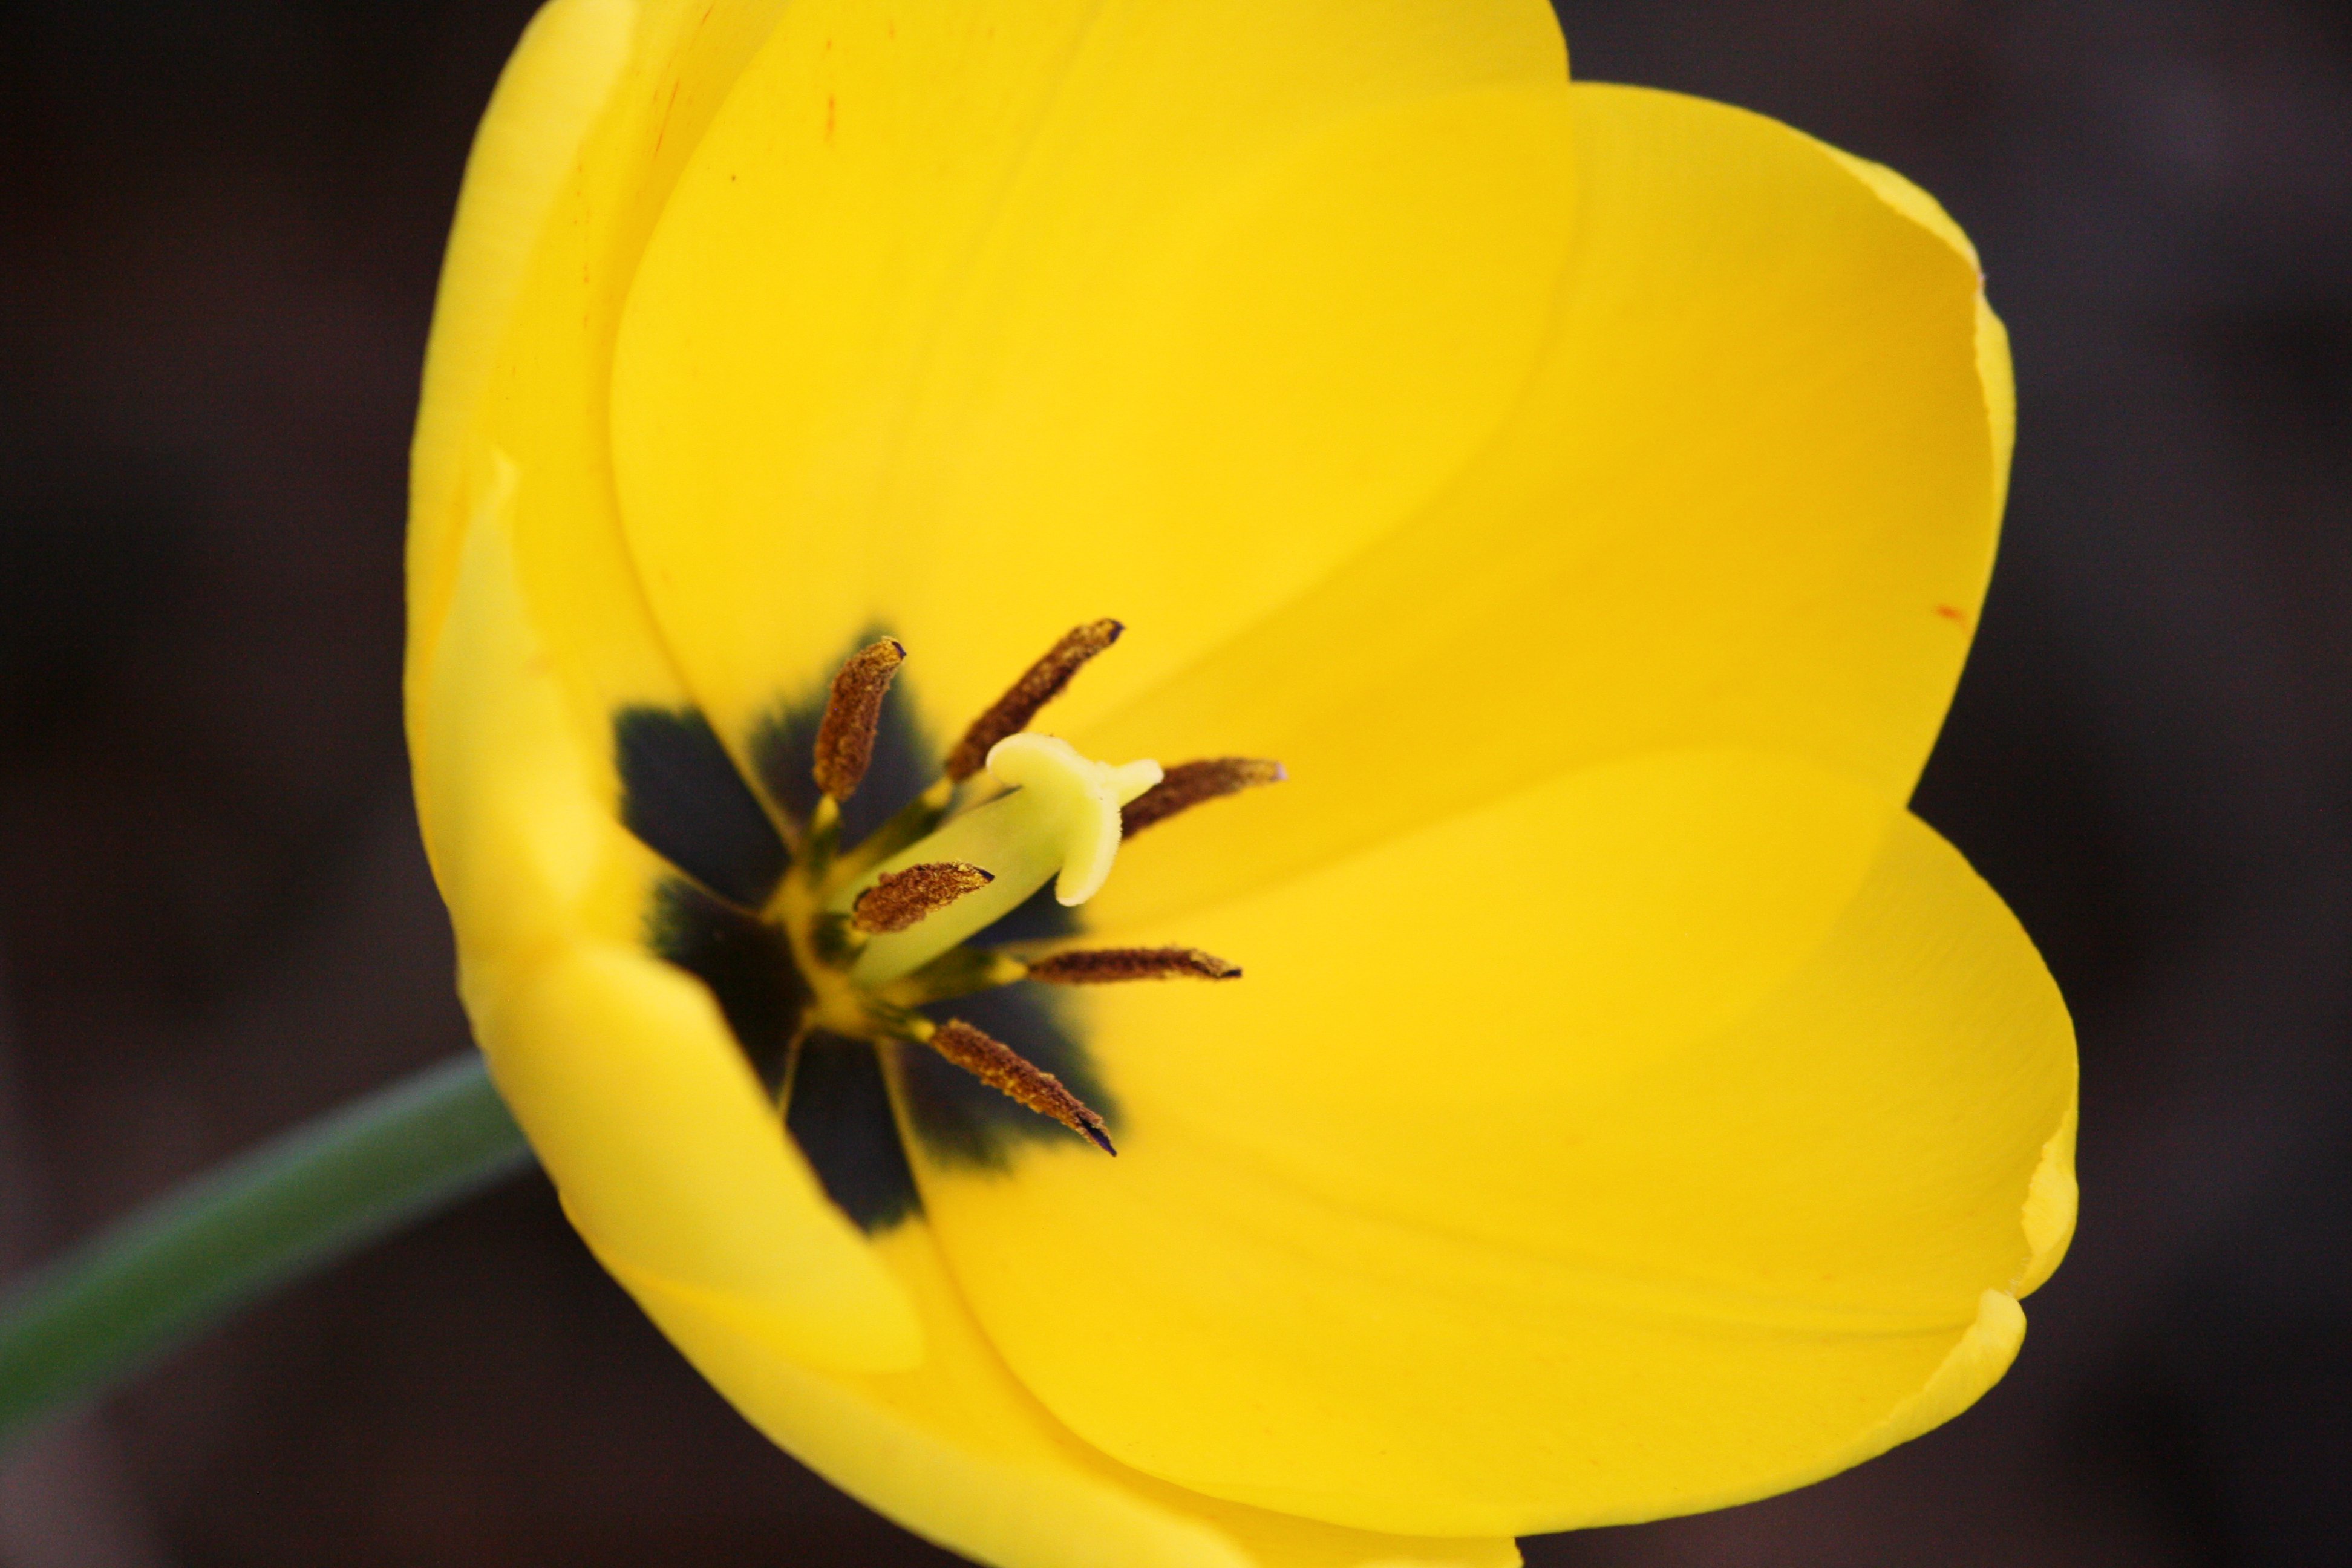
[1003, 1069]
[899, 899]
[1043, 680]
[1187, 784]
[1102, 965]
[845, 738]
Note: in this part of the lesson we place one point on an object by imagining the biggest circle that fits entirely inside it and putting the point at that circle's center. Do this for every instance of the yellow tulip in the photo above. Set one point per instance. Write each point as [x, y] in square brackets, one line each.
[1585, 493]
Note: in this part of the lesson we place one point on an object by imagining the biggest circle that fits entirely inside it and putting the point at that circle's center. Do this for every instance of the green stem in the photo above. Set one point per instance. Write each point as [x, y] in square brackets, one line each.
[163, 1273]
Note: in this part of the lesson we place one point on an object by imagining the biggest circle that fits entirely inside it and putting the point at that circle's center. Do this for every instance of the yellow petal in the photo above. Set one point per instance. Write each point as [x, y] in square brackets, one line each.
[1968, 1369]
[523, 840]
[1992, 339]
[595, 114]
[2050, 1208]
[1642, 1143]
[958, 1451]
[991, 319]
[592, 121]
[639, 1103]
[672, 1161]
[547, 103]
[1750, 499]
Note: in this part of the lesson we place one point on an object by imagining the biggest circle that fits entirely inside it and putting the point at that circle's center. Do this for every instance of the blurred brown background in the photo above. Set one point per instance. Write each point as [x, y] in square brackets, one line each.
[222, 221]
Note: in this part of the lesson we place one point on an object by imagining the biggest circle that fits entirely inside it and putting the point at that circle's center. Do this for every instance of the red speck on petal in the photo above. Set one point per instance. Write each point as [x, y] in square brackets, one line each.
[1953, 614]
[828, 116]
[669, 103]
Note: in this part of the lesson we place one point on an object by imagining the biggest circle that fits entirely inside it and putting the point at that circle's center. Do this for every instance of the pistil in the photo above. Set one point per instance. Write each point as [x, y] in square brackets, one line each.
[876, 929]
[1059, 823]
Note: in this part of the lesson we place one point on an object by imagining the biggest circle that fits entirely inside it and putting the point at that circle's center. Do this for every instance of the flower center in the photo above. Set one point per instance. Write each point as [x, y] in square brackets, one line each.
[1060, 820]
[882, 929]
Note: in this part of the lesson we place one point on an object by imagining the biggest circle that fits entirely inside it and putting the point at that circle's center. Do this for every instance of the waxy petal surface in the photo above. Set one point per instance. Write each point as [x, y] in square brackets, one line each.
[591, 121]
[959, 1452]
[529, 633]
[643, 1109]
[965, 317]
[1748, 499]
[1644, 1142]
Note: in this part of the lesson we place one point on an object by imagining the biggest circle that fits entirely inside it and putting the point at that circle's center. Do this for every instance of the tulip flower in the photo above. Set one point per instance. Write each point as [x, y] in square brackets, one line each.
[1448, 1029]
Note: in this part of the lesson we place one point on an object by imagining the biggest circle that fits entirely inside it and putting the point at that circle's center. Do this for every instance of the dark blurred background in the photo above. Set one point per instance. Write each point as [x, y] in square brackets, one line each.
[219, 226]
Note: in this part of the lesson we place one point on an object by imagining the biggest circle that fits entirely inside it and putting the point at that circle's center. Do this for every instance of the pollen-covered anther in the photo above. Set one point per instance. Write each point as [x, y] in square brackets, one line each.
[1187, 784]
[1106, 965]
[845, 738]
[1040, 684]
[900, 899]
[1008, 1073]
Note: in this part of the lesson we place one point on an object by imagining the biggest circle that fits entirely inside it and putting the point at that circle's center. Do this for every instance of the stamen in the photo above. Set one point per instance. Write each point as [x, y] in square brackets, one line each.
[1187, 784]
[902, 897]
[911, 823]
[1058, 820]
[1103, 965]
[1041, 684]
[958, 971]
[1003, 1069]
[793, 1063]
[845, 738]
